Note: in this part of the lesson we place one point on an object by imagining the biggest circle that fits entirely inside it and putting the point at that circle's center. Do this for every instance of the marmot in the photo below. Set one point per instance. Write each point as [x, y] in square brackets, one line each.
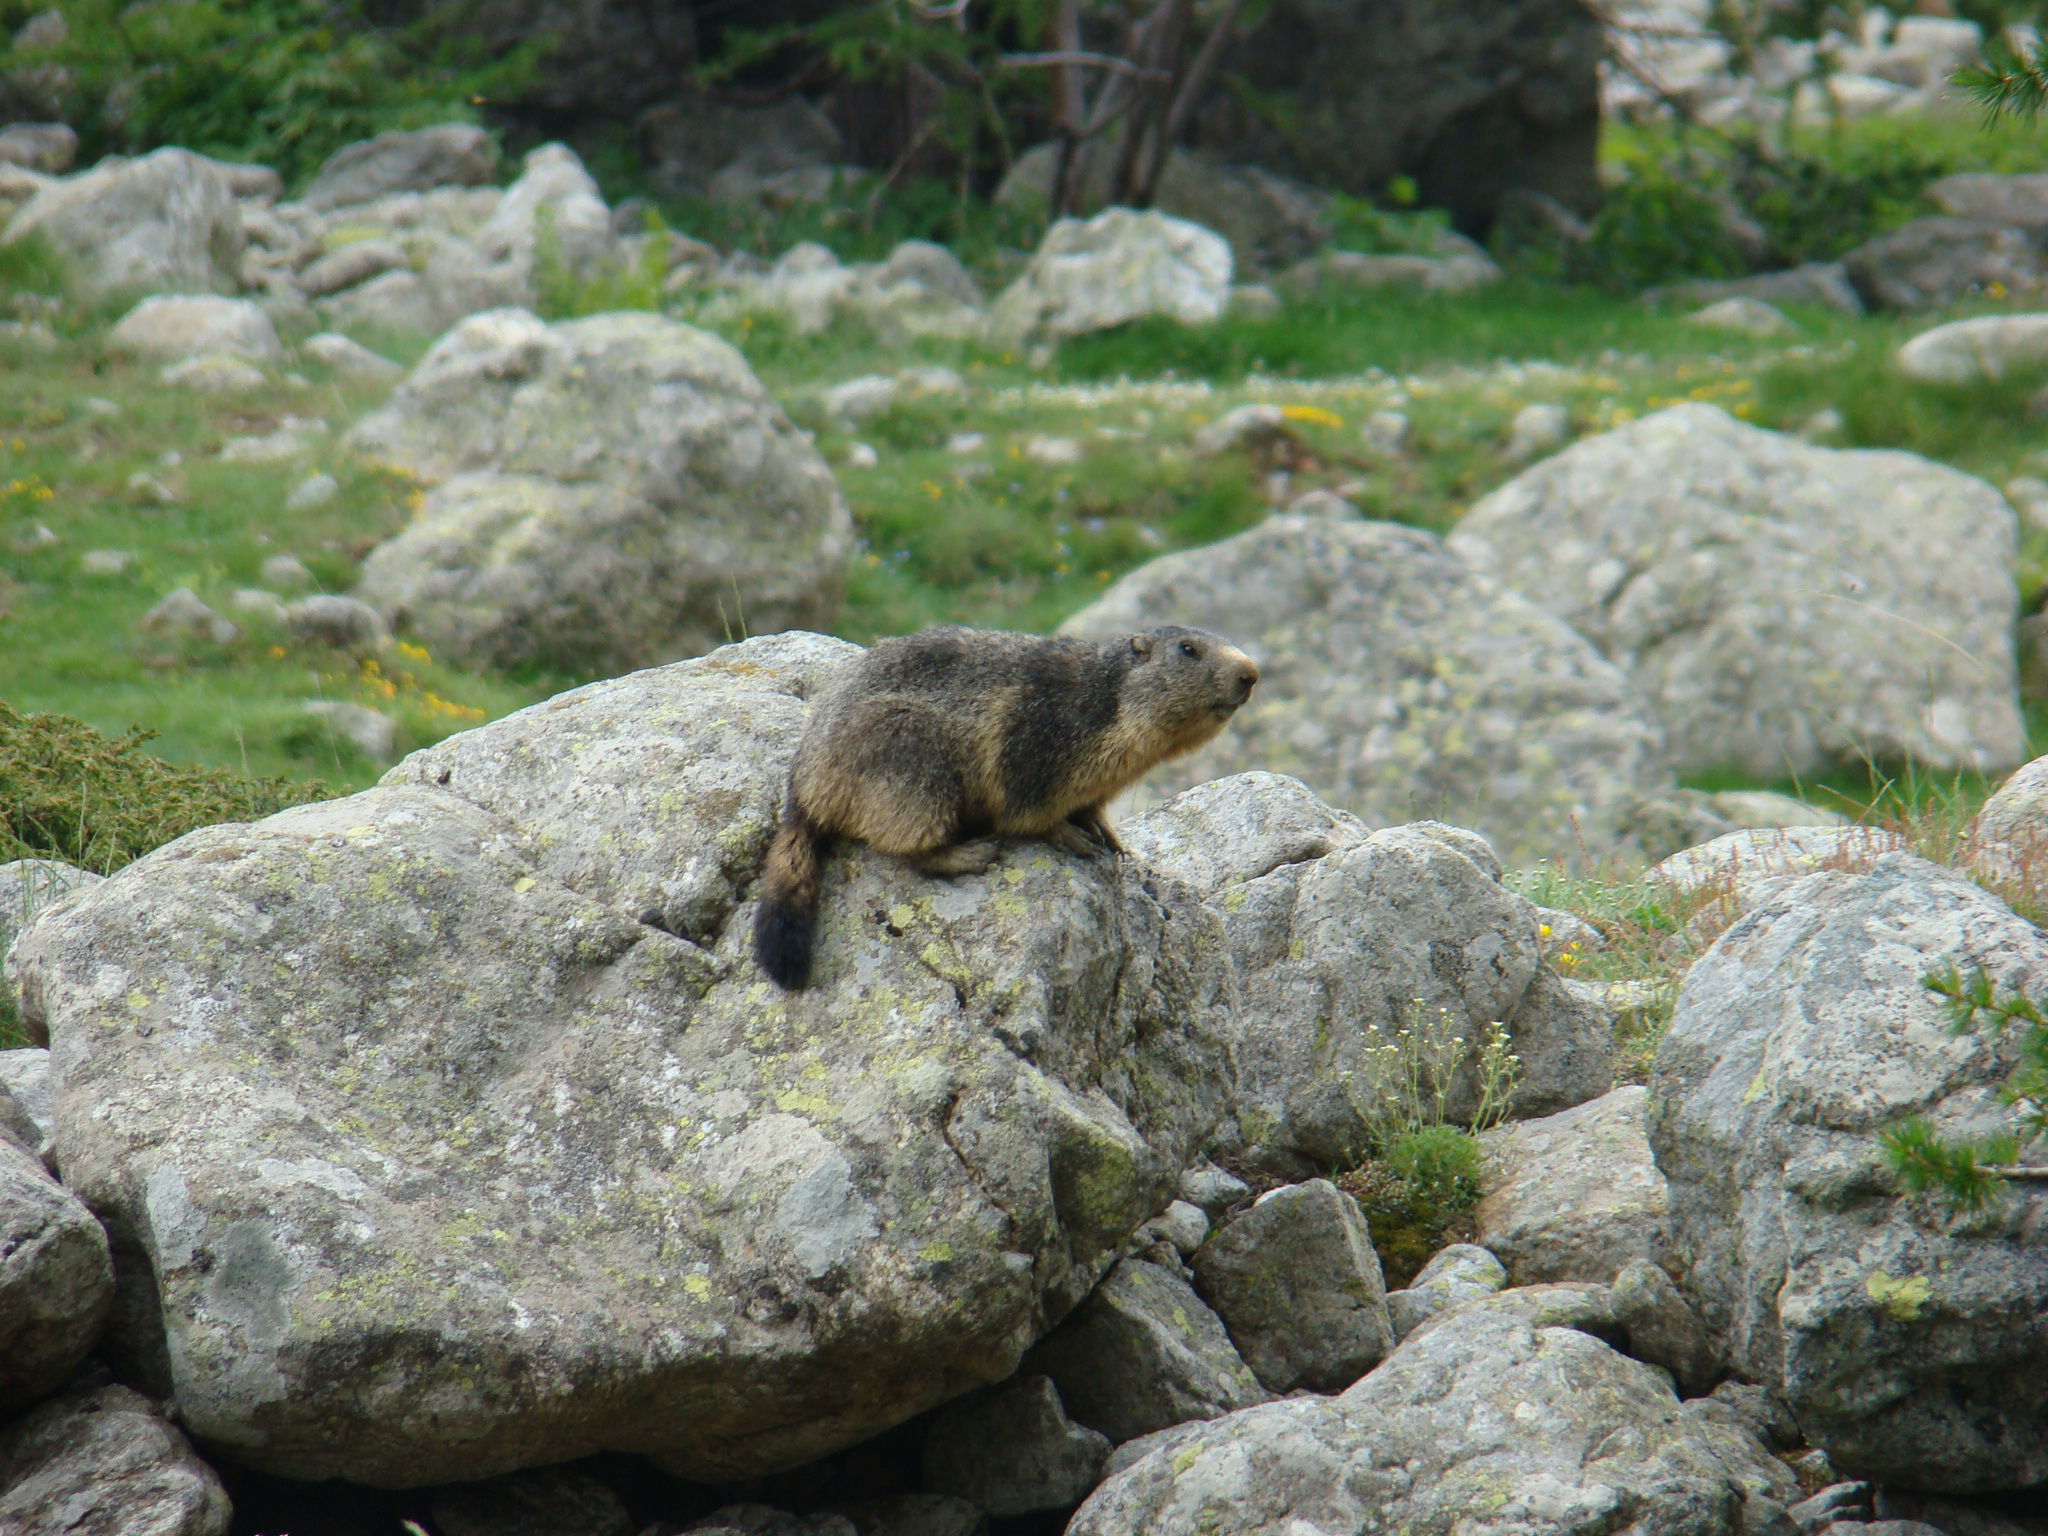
[934, 745]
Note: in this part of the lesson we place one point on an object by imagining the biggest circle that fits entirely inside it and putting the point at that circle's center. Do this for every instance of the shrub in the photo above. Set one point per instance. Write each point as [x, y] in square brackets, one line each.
[67, 792]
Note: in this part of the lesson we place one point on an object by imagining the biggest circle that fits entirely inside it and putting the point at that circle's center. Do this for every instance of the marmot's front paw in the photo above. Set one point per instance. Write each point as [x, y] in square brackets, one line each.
[960, 858]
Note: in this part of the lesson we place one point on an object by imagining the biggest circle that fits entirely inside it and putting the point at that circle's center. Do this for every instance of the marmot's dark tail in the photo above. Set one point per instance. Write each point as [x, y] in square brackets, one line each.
[786, 920]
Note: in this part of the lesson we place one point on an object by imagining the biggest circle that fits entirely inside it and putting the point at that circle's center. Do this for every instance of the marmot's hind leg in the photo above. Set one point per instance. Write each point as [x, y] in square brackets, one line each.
[1091, 820]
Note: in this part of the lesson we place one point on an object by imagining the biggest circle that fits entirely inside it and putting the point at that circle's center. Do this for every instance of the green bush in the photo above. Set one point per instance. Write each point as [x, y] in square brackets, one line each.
[67, 792]
[283, 82]
[1657, 227]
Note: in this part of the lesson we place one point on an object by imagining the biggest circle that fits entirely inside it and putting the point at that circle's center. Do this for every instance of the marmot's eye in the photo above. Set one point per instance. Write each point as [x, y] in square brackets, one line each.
[1189, 649]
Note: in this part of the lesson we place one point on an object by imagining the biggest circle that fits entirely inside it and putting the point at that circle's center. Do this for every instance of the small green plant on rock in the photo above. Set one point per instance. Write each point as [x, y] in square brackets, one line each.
[1422, 1177]
[1971, 1176]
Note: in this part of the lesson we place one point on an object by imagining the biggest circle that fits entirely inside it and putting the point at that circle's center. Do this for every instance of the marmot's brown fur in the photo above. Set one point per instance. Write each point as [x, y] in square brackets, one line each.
[935, 745]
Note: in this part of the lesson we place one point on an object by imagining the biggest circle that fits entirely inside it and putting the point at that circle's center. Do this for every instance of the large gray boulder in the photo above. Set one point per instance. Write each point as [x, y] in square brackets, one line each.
[1783, 607]
[460, 1133]
[1144, 1353]
[1121, 265]
[554, 203]
[1905, 1341]
[1341, 940]
[1488, 1419]
[103, 1459]
[1933, 262]
[447, 155]
[1573, 1196]
[619, 491]
[164, 223]
[1298, 1285]
[56, 1281]
[1400, 683]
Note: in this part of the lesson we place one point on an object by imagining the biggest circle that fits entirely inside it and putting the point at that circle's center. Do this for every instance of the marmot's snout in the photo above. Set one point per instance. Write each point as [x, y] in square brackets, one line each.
[1243, 674]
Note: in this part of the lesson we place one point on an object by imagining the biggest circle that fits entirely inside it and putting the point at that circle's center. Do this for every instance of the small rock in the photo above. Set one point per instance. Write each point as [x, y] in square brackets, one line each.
[861, 456]
[1053, 450]
[1663, 1328]
[1182, 1225]
[1212, 1189]
[286, 571]
[1538, 429]
[1743, 315]
[1837, 1501]
[1298, 1285]
[1253, 301]
[41, 536]
[1750, 866]
[448, 154]
[1460, 1273]
[346, 623]
[258, 605]
[350, 359]
[1120, 265]
[93, 405]
[178, 326]
[1574, 1196]
[1965, 351]
[105, 562]
[545, 1502]
[1142, 1353]
[181, 614]
[966, 442]
[1755, 1411]
[1385, 433]
[56, 1284]
[931, 380]
[1823, 424]
[292, 439]
[1251, 426]
[313, 491]
[350, 264]
[163, 223]
[858, 400]
[214, 374]
[1013, 1451]
[102, 1459]
[372, 731]
[46, 147]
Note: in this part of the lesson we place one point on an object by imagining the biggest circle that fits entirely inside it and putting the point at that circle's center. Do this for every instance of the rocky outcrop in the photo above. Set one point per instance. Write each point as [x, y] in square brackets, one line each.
[519, 1158]
[1486, 1418]
[1903, 1340]
[1120, 265]
[921, 289]
[1460, 1273]
[1931, 263]
[1783, 607]
[1342, 939]
[616, 492]
[1401, 683]
[1573, 1196]
[165, 223]
[104, 1459]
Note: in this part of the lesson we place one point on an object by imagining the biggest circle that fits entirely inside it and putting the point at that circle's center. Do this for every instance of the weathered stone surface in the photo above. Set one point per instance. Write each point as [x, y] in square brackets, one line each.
[1484, 1420]
[164, 223]
[2020, 201]
[1298, 1285]
[1934, 262]
[1743, 315]
[621, 491]
[1182, 1226]
[1574, 1196]
[450, 154]
[56, 1281]
[2008, 840]
[46, 147]
[1120, 265]
[1782, 606]
[1144, 1353]
[1825, 285]
[1663, 1328]
[1460, 1273]
[28, 887]
[1905, 1344]
[102, 1459]
[356, 262]
[345, 623]
[917, 1514]
[177, 327]
[1967, 351]
[1399, 683]
[215, 374]
[1013, 1451]
[519, 1158]
[1745, 868]
[1341, 941]
[1212, 1189]
[546, 1502]
[554, 190]
[350, 359]
[397, 301]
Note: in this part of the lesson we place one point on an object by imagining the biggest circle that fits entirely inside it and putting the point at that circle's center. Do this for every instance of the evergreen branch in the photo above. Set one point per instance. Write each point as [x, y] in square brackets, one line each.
[1967, 1176]
[2007, 84]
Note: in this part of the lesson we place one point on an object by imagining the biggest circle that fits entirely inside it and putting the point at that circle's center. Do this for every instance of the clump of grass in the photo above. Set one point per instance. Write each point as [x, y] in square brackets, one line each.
[67, 792]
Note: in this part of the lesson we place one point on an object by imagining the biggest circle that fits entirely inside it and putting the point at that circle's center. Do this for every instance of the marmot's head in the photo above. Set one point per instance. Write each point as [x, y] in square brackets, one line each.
[1187, 683]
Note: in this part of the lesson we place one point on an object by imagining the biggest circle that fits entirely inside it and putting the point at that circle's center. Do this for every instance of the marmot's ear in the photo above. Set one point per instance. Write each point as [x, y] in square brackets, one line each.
[1141, 645]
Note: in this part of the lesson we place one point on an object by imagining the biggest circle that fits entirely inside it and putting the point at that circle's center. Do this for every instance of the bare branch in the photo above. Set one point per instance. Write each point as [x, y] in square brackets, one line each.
[1085, 60]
